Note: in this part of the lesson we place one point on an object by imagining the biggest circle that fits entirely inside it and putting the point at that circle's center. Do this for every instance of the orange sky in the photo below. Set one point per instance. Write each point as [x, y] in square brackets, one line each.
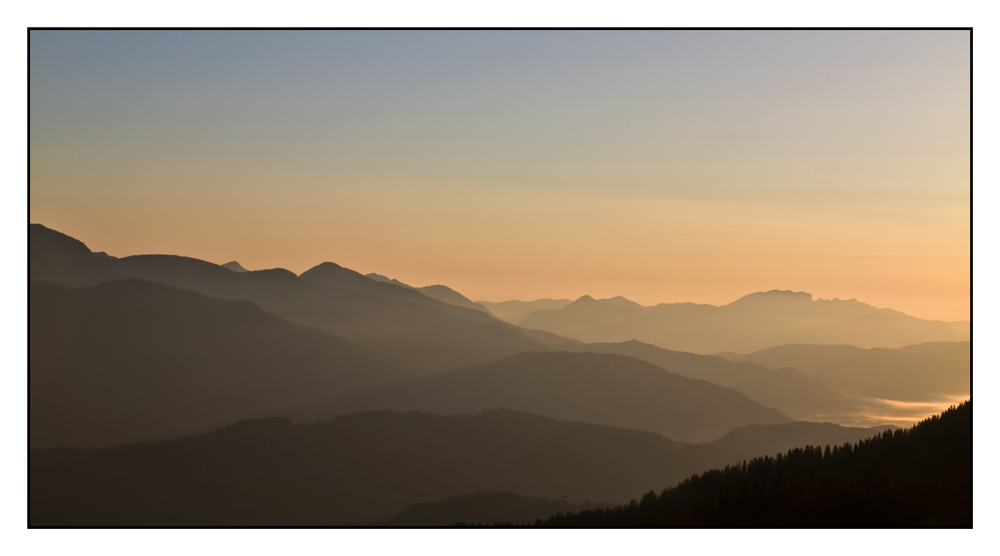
[659, 166]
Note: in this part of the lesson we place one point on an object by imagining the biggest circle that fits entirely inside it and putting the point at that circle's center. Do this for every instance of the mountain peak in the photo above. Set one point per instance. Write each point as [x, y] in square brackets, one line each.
[772, 297]
[234, 266]
[619, 301]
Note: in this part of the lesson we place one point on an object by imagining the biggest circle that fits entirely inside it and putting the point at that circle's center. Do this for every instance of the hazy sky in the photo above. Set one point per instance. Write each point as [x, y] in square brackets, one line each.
[661, 166]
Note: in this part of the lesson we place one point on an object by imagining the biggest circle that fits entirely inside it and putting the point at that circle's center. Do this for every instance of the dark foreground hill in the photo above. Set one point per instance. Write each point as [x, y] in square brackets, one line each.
[396, 320]
[785, 389]
[921, 476]
[911, 373]
[751, 323]
[360, 468]
[485, 508]
[363, 467]
[598, 388]
[130, 360]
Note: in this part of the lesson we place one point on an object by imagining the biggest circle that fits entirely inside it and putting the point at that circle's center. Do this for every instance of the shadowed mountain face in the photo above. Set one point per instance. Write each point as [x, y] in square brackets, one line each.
[785, 389]
[514, 311]
[359, 468]
[234, 266]
[441, 293]
[130, 361]
[753, 322]
[590, 387]
[400, 321]
[912, 373]
[919, 477]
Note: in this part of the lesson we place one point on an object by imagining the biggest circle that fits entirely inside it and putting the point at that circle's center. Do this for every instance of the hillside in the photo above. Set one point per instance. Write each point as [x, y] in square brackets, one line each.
[921, 476]
[915, 373]
[595, 388]
[751, 323]
[130, 360]
[484, 508]
[515, 311]
[785, 389]
[358, 468]
[399, 321]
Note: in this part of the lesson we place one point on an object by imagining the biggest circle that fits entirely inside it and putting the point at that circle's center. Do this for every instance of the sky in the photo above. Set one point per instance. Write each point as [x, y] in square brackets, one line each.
[663, 166]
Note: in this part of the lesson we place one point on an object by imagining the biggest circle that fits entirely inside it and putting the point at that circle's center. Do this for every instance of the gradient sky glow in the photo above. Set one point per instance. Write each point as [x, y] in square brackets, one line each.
[661, 166]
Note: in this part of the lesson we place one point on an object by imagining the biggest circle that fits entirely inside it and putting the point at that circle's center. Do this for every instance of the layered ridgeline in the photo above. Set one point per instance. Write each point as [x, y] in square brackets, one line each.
[783, 388]
[911, 373]
[400, 321]
[903, 478]
[514, 311]
[751, 323]
[596, 388]
[130, 360]
[439, 292]
[361, 468]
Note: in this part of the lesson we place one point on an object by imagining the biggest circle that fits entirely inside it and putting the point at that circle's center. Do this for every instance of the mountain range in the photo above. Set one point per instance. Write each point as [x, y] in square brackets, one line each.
[604, 389]
[129, 360]
[913, 373]
[357, 468]
[751, 323]
[399, 321]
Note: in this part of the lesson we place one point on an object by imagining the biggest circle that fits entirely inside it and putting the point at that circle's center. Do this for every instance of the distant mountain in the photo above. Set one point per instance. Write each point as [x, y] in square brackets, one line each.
[919, 477]
[514, 311]
[387, 280]
[595, 388]
[359, 468]
[399, 321]
[619, 301]
[751, 441]
[448, 295]
[753, 322]
[785, 389]
[441, 293]
[484, 508]
[918, 372]
[234, 266]
[129, 361]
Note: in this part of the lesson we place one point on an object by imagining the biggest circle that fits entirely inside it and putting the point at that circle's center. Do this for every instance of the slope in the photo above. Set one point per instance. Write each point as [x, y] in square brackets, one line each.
[399, 321]
[903, 478]
[358, 468]
[784, 389]
[129, 360]
[595, 388]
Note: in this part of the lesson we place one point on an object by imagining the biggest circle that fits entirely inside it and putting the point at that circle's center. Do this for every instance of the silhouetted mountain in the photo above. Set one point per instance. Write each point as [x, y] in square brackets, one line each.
[484, 508]
[903, 478]
[234, 266]
[448, 295]
[595, 388]
[387, 280]
[441, 293]
[619, 301]
[785, 389]
[515, 311]
[400, 321]
[360, 468]
[751, 441]
[912, 373]
[753, 322]
[129, 360]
